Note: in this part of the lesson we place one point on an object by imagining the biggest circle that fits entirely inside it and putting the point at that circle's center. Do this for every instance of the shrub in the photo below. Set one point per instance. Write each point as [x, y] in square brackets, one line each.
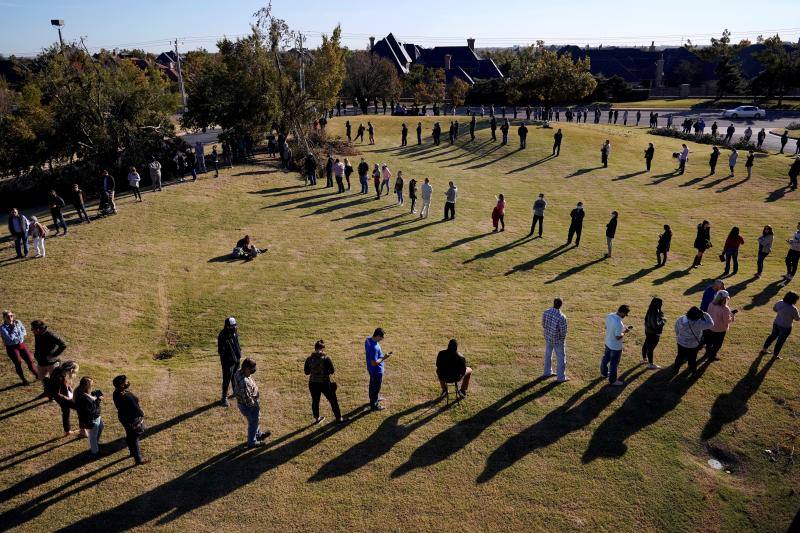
[706, 138]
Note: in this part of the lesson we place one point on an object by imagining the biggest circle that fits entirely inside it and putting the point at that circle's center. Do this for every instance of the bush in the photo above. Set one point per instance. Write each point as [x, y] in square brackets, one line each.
[706, 138]
[793, 126]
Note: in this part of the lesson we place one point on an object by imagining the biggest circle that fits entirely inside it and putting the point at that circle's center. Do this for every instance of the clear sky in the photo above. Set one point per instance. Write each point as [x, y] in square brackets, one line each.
[150, 24]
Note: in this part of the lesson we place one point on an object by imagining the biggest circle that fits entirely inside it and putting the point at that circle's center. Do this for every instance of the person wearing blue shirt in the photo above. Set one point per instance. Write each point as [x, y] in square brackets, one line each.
[615, 331]
[709, 293]
[375, 360]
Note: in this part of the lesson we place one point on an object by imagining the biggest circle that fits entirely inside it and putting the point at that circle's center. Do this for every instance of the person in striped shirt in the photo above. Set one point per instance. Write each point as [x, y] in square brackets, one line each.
[554, 326]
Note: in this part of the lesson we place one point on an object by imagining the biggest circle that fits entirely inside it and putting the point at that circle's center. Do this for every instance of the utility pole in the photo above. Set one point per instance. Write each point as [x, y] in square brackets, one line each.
[180, 76]
[59, 23]
[301, 38]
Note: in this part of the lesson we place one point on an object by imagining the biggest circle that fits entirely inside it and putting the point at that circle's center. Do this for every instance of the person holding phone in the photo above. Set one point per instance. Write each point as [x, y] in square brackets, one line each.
[87, 403]
[723, 316]
[319, 369]
[689, 330]
[615, 333]
[375, 364]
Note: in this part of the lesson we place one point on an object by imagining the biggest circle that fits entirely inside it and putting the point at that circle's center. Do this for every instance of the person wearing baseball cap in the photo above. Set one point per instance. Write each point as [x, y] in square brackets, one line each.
[230, 353]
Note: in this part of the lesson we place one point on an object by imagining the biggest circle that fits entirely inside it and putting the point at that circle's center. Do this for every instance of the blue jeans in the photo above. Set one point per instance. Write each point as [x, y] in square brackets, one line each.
[561, 358]
[80, 209]
[779, 336]
[732, 255]
[364, 184]
[251, 413]
[760, 262]
[21, 244]
[312, 177]
[58, 221]
[609, 364]
[375, 382]
[400, 196]
[94, 435]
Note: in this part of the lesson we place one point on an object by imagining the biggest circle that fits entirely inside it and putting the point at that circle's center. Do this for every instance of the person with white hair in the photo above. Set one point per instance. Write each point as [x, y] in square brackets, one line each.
[38, 232]
[723, 316]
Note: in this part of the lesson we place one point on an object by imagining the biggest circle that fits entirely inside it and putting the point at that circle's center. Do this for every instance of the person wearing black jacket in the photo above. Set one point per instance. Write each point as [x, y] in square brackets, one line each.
[56, 211]
[522, 131]
[662, 248]
[611, 231]
[472, 127]
[329, 172]
[46, 351]
[230, 353]
[319, 369]
[419, 132]
[493, 128]
[702, 242]
[191, 162]
[311, 169]
[712, 161]
[451, 367]
[794, 171]
[87, 403]
[404, 135]
[349, 130]
[576, 224]
[363, 170]
[648, 155]
[557, 143]
[653, 327]
[130, 415]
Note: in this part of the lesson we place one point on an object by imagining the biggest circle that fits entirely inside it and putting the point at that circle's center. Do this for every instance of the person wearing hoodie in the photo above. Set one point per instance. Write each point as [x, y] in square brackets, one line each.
[764, 248]
[723, 316]
[450, 202]
[654, 322]
[230, 353]
[689, 330]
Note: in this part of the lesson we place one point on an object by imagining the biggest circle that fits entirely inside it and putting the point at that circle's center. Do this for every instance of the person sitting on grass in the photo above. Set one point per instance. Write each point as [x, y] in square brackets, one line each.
[451, 367]
[246, 249]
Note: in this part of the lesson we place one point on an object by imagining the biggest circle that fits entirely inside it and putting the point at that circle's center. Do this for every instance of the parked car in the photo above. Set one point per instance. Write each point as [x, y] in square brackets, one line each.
[744, 111]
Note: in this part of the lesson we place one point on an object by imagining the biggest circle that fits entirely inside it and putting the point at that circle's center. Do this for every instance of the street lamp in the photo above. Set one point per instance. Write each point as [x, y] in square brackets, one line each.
[58, 23]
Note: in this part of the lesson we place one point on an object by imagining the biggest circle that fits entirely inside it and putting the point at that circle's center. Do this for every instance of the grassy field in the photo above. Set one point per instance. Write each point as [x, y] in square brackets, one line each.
[698, 103]
[518, 454]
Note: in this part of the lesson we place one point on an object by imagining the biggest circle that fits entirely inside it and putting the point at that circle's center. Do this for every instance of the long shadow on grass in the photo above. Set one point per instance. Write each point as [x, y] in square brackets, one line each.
[20, 457]
[332, 197]
[732, 185]
[765, 296]
[657, 396]
[406, 231]
[383, 439]
[465, 240]
[694, 181]
[575, 270]
[582, 171]
[547, 256]
[336, 207]
[661, 178]
[69, 465]
[636, 275]
[28, 407]
[731, 406]
[777, 194]
[557, 424]
[299, 200]
[500, 249]
[209, 481]
[376, 222]
[675, 274]
[531, 165]
[455, 438]
[700, 286]
[21, 404]
[364, 213]
[712, 184]
[629, 175]
[373, 231]
[290, 188]
[495, 160]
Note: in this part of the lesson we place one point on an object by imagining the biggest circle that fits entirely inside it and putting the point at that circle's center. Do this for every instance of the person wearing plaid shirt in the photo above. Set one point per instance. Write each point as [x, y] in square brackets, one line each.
[246, 392]
[554, 325]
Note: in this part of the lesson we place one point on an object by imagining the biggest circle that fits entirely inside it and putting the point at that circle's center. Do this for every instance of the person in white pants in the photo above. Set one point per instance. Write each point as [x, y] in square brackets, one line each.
[155, 174]
[554, 325]
[427, 192]
[38, 232]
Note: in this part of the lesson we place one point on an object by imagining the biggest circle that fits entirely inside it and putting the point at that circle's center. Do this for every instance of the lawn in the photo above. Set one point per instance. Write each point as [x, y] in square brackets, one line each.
[518, 454]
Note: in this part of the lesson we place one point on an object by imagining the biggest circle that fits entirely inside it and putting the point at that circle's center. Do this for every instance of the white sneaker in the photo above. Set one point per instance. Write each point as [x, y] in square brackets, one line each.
[319, 420]
[653, 367]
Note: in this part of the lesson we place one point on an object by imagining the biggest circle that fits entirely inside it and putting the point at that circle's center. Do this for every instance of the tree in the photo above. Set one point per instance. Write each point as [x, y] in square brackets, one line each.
[544, 75]
[457, 91]
[727, 70]
[325, 75]
[729, 76]
[614, 88]
[370, 78]
[686, 72]
[780, 72]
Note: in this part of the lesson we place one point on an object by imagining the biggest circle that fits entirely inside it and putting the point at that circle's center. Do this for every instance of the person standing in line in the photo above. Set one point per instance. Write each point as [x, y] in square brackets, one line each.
[712, 160]
[760, 138]
[46, 351]
[611, 231]
[338, 172]
[615, 333]
[662, 248]
[638, 117]
[130, 415]
[375, 367]
[689, 330]
[702, 242]
[784, 140]
[554, 326]
[60, 386]
[451, 367]
[683, 157]
[386, 178]
[107, 187]
[412, 194]
[794, 172]
[247, 398]
[419, 133]
[56, 211]
[792, 256]
[348, 131]
[522, 131]
[605, 150]
[764, 248]
[360, 132]
[200, 152]
[557, 136]
[504, 131]
[723, 316]
[427, 194]
[329, 171]
[398, 187]
[654, 322]
[363, 170]
[732, 160]
[730, 250]
[39, 233]
[133, 182]
[450, 202]
[576, 224]
[230, 353]
[371, 132]
[13, 333]
[472, 122]
[786, 314]
[87, 404]
[538, 214]
[348, 171]
[155, 172]
[493, 128]
[729, 134]
[311, 169]
[649, 152]
[748, 163]
[319, 369]
[78, 203]
[376, 179]
[710, 292]
[18, 227]
[404, 135]
[191, 162]
[499, 214]
[625, 118]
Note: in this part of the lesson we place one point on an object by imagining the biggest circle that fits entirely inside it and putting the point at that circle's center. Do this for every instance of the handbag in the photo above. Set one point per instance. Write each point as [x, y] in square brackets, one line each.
[722, 258]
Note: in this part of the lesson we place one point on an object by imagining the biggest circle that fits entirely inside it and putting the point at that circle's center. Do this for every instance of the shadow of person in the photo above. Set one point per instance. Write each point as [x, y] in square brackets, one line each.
[636, 275]
[547, 256]
[629, 175]
[575, 270]
[582, 171]
[777, 194]
[731, 406]
[557, 424]
[384, 438]
[464, 240]
[765, 296]
[453, 439]
[675, 274]
[657, 396]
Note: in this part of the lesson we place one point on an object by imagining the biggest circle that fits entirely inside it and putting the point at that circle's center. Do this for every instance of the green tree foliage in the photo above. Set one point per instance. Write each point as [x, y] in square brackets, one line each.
[613, 89]
[542, 75]
[781, 69]
[727, 70]
[369, 78]
[325, 75]
[457, 91]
